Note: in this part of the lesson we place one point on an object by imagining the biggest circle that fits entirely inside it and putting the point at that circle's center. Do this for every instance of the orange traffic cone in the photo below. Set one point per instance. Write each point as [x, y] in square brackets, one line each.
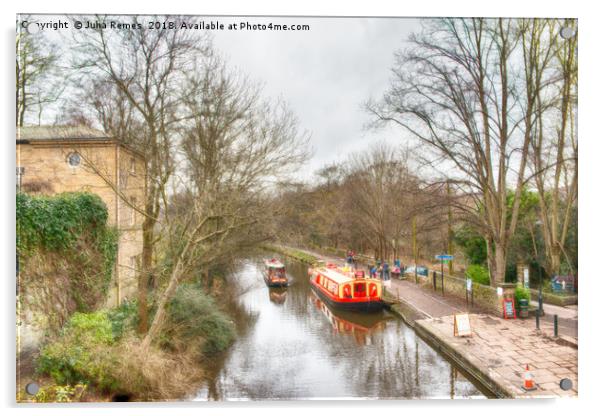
[528, 382]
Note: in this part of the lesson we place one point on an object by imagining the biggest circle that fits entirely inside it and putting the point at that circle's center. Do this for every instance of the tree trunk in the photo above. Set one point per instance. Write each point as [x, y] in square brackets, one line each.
[500, 265]
[159, 318]
[145, 272]
[490, 261]
[554, 261]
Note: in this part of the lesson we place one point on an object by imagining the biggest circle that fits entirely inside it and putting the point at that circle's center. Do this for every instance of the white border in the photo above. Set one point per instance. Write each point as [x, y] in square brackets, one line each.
[589, 200]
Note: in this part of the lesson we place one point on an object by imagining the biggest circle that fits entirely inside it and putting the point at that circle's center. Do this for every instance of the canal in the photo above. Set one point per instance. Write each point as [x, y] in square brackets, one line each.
[292, 346]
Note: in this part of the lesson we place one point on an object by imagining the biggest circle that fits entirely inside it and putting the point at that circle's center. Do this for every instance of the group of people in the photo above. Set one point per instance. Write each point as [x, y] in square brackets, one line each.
[380, 269]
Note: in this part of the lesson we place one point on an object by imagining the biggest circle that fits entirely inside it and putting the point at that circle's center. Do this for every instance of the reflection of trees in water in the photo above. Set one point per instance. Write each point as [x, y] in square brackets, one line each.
[294, 351]
[395, 364]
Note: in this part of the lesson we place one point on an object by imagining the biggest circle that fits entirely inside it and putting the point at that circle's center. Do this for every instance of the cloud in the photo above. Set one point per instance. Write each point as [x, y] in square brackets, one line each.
[325, 74]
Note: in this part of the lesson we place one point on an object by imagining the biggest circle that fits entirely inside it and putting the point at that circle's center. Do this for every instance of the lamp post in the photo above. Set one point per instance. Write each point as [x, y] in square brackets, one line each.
[539, 260]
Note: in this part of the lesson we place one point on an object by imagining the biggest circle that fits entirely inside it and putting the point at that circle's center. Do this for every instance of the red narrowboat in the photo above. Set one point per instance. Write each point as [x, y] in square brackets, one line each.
[350, 290]
[275, 274]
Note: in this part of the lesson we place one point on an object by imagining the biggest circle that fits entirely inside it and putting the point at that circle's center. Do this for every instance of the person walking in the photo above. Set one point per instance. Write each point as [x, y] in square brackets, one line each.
[386, 271]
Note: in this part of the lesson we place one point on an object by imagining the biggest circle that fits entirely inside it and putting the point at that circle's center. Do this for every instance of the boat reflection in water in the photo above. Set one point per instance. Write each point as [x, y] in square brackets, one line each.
[360, 326]
[278, 296]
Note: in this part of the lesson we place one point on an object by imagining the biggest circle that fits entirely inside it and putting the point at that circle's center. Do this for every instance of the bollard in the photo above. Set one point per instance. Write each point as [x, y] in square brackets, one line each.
[442, 285]
[555, 325]
[434, 280]
[537, 319]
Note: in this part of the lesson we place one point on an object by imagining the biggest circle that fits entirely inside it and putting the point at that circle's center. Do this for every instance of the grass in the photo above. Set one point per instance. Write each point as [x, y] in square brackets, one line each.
[295, 254]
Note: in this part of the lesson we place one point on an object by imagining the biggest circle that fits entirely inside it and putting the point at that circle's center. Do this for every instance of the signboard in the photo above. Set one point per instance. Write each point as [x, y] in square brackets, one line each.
[444, 257]
[469, 285]
[462, 325]
[500, 291]
[509, 311]
[526, 277]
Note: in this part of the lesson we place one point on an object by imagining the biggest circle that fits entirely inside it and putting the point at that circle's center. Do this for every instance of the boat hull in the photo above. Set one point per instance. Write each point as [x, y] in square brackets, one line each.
[275, 283]
[359, 306]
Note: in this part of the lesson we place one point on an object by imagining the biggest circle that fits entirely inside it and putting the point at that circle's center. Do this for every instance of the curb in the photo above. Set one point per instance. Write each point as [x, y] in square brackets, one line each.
[494, 387]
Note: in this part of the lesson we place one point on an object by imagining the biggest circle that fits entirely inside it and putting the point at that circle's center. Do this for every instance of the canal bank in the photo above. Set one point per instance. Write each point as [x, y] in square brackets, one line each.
[499, 350]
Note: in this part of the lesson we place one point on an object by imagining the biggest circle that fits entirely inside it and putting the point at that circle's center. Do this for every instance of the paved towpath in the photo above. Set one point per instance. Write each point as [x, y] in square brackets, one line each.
[498, 351]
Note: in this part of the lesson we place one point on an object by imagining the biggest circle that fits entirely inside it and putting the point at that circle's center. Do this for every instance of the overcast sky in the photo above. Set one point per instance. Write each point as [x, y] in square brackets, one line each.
[325, 74]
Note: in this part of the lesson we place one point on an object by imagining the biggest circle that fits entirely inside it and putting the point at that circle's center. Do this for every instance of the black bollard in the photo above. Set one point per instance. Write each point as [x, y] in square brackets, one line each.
[555, 325]
[537, 319]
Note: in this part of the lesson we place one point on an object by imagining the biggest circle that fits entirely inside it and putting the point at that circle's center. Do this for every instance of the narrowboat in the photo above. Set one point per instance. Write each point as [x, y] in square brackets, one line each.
[275, 274]
[346, 289]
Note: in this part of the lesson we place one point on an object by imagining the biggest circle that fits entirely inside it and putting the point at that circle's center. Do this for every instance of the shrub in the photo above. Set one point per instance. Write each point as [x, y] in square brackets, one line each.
[521, 292]
[82, 353]
[478, 274]
[123, 318]
[98, 349]
[193, 314]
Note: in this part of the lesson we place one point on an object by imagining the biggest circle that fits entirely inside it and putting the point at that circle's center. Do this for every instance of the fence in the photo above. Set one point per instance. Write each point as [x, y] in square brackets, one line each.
[483, 296]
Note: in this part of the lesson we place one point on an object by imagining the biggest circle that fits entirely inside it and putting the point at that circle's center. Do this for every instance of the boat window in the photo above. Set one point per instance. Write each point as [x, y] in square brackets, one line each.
[347, 291]
[359, 290]
[373, 290]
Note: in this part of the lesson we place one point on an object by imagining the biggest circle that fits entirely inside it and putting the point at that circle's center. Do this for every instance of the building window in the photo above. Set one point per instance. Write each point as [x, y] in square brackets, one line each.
[134, 263]
[74, 159]
[20, 173]
[133, 202]
[132, 166]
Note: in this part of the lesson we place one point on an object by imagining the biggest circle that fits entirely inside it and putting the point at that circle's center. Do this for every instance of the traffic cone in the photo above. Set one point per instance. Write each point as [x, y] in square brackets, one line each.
[528, 382]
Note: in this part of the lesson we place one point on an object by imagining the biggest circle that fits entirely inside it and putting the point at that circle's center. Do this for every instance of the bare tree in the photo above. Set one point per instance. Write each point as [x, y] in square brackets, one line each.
[234, 147]
[148, 68]
[36, 64]
[467, 90]
[379, 185]
[554, 145]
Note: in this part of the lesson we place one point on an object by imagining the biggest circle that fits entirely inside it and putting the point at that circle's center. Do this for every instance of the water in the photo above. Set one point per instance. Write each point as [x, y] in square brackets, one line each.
[295, 347]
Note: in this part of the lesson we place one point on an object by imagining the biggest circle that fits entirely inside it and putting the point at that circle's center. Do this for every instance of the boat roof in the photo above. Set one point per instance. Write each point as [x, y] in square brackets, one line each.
[274, 264]
[336, 275]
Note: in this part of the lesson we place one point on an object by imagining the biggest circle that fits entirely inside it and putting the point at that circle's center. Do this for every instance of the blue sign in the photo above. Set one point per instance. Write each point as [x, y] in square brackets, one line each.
[444, 257]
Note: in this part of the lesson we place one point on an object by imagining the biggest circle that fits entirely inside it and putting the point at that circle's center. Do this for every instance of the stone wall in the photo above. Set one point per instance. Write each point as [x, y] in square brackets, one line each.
[483, 296]
[107, 169]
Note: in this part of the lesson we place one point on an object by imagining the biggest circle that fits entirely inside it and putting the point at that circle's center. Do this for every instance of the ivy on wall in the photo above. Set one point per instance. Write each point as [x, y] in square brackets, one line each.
[67, 253]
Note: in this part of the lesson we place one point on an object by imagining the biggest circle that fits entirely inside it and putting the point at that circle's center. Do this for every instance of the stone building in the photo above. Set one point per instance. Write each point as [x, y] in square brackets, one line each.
[57, 159]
